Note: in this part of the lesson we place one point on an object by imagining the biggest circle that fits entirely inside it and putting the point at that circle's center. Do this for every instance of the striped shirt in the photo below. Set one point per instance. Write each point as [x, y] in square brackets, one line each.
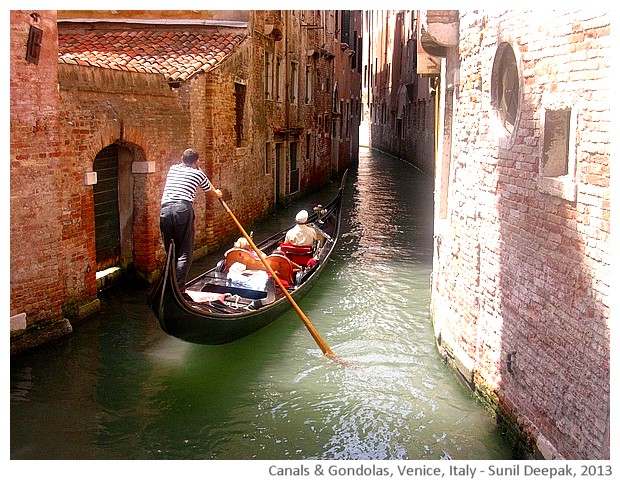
[182, 182]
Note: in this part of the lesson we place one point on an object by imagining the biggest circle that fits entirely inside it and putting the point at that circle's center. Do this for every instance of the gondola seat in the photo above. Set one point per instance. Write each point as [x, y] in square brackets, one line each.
[283, 268]
[280, 264]
[239, 255]
[301, 255]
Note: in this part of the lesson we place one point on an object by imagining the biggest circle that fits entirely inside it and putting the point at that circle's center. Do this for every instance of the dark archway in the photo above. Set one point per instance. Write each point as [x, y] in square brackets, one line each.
[106, 208]
[113, 196]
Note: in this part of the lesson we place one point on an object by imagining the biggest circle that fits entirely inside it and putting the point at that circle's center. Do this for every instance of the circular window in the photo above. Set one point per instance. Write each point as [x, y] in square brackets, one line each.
[505, 91]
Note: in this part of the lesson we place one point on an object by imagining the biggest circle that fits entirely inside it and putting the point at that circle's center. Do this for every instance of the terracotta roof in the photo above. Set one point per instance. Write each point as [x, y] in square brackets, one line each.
[178, 55]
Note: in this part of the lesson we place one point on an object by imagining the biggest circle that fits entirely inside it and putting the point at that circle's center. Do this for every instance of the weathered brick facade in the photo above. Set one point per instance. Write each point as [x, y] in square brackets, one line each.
[521, 277]
[39, 277]
[63, 115]
[399, 103]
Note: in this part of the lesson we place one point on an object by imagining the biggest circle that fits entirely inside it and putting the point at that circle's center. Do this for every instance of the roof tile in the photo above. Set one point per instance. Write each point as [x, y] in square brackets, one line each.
[178, 55]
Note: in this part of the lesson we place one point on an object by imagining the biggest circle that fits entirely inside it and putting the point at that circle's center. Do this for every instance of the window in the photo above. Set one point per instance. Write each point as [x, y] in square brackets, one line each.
[239, 104]
[335, 104]
[33, 48]
[268, 76]
[346, 119]
[558, 150]
[354, 47]
[360, 48]
[294, 83]
[505, 88]
[556, 143]
[308, 87]
[314, 151]
[346, 21]
[278, 80]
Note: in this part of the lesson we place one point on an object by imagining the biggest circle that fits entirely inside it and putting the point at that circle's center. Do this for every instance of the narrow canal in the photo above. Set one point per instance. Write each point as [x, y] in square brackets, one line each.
[119, 388]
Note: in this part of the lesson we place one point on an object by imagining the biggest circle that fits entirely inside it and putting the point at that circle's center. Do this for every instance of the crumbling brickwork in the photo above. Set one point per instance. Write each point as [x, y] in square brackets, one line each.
[39, 280]
[521, 279]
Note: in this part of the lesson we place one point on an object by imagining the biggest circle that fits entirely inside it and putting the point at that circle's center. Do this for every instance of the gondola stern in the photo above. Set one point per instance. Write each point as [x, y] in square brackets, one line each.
[164, 286]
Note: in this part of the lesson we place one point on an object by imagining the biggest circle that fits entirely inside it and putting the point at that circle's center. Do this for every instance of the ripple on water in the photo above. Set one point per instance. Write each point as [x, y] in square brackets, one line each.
[121, 388]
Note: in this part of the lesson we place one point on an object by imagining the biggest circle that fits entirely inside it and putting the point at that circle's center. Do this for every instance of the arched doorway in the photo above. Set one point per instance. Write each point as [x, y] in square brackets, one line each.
[113, 207]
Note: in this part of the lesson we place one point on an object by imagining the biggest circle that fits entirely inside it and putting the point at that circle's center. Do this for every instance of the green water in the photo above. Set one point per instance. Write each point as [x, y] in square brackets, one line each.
[119, 388]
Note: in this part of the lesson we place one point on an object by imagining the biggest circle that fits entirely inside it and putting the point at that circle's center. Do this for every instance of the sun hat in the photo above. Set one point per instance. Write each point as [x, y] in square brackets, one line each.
[302, 217]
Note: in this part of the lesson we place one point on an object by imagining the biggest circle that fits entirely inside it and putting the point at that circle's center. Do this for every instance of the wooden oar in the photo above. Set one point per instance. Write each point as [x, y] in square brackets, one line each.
[313, 331]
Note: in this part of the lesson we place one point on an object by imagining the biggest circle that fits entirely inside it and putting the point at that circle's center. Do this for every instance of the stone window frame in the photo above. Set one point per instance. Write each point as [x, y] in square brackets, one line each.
[563, 186]
[268, 74]
[309, 80]
[277, 79]
[294, 83]
[506, 44]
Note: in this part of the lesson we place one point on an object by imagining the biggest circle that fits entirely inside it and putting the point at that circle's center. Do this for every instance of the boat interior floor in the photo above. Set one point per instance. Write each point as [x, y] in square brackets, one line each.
[218, 290]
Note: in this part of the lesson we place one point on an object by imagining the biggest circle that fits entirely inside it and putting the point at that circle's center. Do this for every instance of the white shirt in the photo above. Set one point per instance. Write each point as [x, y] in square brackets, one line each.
[301, 235]
[182, 182]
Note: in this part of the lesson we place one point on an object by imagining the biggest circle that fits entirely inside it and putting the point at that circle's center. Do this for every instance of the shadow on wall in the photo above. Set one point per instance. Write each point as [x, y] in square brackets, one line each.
[555, 339]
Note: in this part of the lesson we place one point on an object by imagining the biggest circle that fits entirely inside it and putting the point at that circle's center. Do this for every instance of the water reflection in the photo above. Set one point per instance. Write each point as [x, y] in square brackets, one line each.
[121, 389]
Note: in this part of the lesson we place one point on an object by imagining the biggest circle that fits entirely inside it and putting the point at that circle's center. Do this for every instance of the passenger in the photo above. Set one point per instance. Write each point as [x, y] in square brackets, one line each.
[243, 243]
[301, 235]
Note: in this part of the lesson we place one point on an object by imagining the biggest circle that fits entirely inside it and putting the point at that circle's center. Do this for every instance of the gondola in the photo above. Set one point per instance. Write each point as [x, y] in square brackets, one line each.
[238, 297]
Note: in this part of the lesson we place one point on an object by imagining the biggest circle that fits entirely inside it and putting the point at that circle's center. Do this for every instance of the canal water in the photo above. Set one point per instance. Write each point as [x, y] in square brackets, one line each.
[119, 388]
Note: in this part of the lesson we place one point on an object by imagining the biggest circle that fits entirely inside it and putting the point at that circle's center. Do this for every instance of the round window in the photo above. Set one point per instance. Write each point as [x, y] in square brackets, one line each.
[505, 91]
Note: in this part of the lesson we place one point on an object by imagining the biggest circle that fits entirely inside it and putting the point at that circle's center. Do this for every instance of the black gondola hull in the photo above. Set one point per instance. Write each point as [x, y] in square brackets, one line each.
[178, 320]
[214, 323]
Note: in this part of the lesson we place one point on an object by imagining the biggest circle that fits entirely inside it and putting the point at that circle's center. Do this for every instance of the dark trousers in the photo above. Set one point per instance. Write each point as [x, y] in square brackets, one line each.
[176, 222]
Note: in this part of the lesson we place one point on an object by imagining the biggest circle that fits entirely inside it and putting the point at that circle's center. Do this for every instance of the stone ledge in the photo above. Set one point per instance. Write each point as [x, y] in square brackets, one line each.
[87, 309]
[526, 443]
[107, 278]
[38, 335]
[18, 322]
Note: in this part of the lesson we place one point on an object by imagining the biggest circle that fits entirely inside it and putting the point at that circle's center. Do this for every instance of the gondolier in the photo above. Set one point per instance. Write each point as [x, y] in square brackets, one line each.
[176, 220]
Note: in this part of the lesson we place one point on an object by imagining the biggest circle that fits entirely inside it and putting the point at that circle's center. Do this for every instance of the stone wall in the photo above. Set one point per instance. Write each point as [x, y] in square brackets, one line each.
[521, 279]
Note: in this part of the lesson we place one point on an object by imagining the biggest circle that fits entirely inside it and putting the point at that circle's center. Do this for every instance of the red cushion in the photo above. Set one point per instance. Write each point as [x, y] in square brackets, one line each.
[290, 248]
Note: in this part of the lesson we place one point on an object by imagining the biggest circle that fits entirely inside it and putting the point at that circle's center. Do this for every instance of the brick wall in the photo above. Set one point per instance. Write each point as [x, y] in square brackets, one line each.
[63, 115]
[38, 286]
[522, 271]
[100, 107]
